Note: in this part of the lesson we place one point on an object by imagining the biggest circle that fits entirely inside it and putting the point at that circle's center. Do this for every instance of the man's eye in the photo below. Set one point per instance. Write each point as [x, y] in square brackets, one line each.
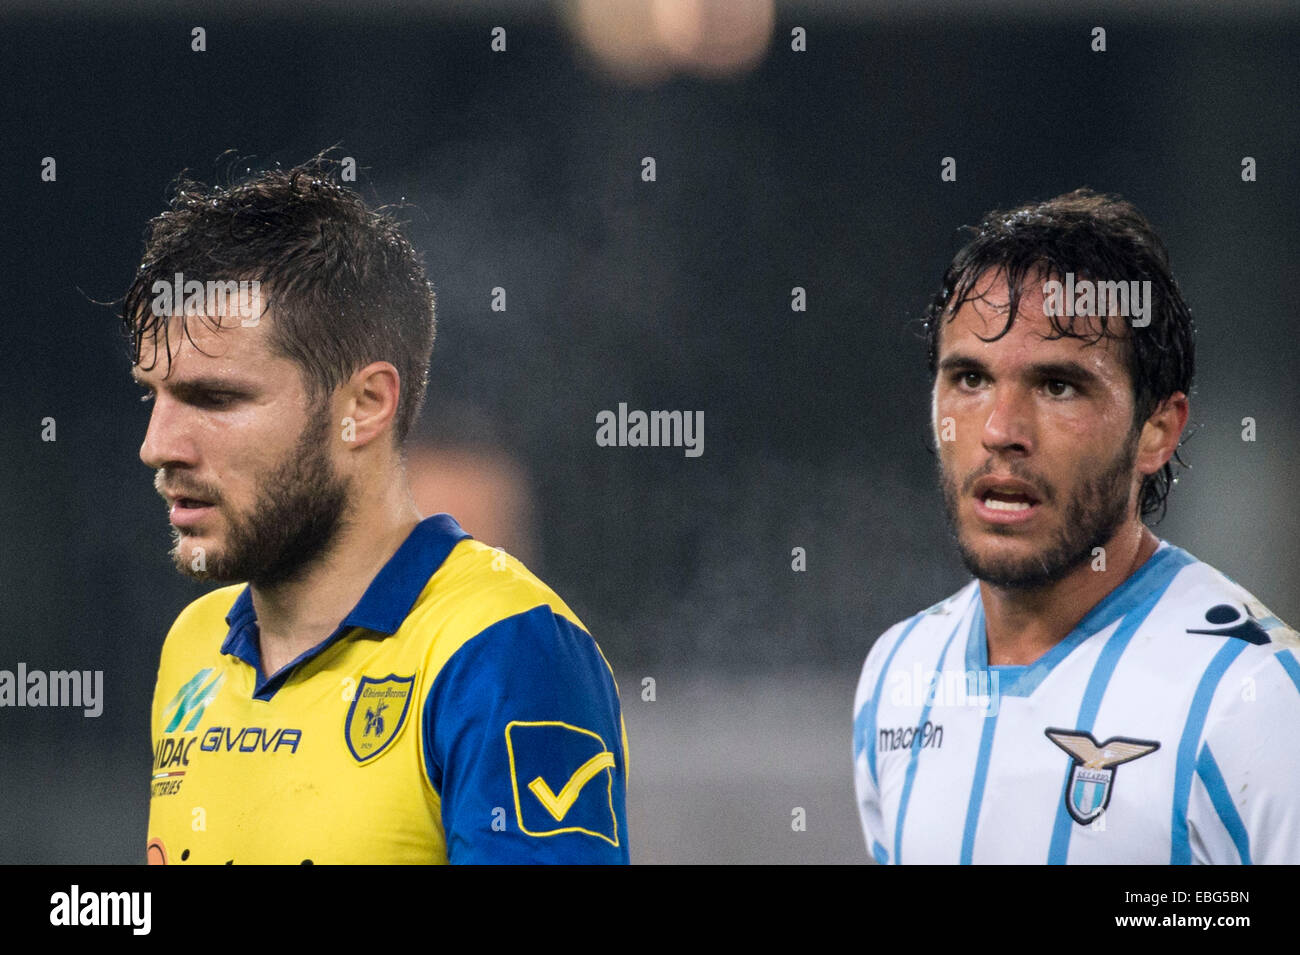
[1059, 389]
[969, 379]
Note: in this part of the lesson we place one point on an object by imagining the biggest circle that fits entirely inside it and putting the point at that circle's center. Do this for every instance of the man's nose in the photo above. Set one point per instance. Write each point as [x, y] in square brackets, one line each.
[167, 441]
[1010, 424]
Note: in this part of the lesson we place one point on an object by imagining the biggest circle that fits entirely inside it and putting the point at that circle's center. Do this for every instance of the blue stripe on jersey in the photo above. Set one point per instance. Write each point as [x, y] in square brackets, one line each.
[916, 750]
[864, 725]
[1155, 574]
[1288, 661]
[1181, 850]
[981, 761]
[1156, 583]
[1215, 785]
[879, 853]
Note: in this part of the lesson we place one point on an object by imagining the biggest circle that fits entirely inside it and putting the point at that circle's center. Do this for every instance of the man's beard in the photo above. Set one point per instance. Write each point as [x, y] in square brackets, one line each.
[1091, 518]
[295, 520]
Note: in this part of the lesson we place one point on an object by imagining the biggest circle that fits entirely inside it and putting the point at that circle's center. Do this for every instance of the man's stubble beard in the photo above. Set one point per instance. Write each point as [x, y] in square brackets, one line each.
[1091, 518]
[298, 515]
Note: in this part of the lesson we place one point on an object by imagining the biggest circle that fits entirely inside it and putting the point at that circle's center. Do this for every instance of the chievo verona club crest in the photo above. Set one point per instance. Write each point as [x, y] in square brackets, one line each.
[377, 714]
[1092, 774]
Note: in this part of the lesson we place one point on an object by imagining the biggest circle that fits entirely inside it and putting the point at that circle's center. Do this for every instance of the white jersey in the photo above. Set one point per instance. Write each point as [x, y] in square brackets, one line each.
[1165, 728]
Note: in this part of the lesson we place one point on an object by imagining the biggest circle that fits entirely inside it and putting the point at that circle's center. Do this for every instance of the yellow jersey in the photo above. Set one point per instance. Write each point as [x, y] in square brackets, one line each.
[460, 713]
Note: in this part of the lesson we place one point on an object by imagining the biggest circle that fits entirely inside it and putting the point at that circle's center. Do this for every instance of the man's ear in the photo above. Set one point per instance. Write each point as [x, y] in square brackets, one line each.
[369, 402]
[1161, 433]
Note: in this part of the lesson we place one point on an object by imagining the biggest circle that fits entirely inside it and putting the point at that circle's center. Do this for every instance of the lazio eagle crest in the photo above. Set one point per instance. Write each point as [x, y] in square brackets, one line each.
[377, 714]
[1092, 774]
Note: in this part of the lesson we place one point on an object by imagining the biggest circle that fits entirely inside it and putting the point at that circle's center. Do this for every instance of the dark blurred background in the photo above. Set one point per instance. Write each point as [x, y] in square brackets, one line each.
[522, 170]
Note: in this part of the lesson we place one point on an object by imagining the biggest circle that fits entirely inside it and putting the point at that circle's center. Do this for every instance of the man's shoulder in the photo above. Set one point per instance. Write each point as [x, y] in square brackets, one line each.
[479, 589]
[922, 629]
[488, 583]
[923, 634]
[202, 624]
[1210, 641]
[1248, 684]
[1202, 601]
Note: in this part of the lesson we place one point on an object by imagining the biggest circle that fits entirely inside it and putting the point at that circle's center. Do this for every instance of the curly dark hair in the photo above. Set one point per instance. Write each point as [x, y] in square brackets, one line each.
[1099, 237]
[340, 282]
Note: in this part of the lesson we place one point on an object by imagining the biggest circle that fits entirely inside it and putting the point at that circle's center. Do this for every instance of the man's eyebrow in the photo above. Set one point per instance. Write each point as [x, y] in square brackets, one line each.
[1055, 370]
[961, 362]
[199, 385]
[1064, 371]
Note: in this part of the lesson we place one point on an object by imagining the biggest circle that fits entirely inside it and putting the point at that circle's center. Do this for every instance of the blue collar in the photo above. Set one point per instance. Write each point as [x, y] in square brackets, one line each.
[381, 609]
[1138, 592]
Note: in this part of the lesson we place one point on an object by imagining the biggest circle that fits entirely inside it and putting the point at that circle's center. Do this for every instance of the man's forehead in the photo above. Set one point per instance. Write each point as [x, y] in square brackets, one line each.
[197, 344]
[989, 297]
[984, 313]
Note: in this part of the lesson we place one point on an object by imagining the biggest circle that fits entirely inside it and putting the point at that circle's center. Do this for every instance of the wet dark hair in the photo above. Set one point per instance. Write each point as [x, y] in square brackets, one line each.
[1098, 237]
[342, 285]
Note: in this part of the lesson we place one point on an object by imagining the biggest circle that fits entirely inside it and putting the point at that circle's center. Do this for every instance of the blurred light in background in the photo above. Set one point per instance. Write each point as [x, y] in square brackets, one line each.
[643, 42]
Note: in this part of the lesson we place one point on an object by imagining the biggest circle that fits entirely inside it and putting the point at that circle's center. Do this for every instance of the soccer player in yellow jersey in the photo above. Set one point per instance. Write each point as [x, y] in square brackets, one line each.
[372, 686]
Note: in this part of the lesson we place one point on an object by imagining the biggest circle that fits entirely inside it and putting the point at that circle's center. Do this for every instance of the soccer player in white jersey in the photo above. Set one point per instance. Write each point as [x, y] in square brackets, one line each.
[1095, 694]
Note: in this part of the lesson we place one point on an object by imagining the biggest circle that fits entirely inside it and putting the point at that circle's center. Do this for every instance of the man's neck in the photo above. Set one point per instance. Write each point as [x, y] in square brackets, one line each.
[1022, 625]
[295, 616]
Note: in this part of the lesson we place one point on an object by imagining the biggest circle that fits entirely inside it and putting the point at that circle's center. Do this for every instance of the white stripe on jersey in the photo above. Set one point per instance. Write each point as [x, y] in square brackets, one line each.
[1172, 708]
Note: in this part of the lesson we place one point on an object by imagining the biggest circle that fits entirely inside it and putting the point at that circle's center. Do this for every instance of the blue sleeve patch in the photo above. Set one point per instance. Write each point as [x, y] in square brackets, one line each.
[563, 780]
[523, 742]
